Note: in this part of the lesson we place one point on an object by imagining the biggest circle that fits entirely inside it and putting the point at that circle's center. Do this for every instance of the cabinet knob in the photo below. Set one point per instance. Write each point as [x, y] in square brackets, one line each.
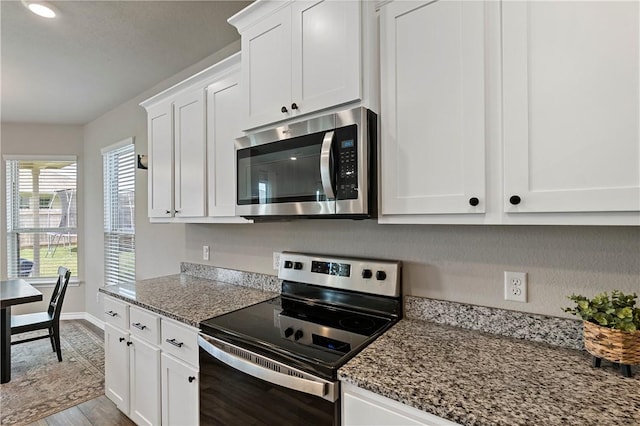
[168, 212]
[474, 201]
[191, 379]
[284, 110]
[515, 200]
[129, 343]
[294, 106]
[121, 339]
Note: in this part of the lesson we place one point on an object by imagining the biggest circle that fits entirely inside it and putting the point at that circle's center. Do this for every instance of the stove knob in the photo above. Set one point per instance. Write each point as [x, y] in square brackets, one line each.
[381, 275]
[366, 273]
[288, 332]
[297, 265]
[288, 264]
[298, 335]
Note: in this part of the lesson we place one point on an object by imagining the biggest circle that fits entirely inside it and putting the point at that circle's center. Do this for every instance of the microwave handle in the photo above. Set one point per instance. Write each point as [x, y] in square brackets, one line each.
[325, 165]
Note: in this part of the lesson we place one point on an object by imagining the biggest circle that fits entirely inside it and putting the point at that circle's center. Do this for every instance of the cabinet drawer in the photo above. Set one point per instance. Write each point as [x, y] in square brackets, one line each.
[144, 324]
[180, 341]
[116, 313]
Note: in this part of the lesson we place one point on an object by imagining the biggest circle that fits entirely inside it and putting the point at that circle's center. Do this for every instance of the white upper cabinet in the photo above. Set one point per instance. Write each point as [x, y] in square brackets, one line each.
[192, 128]
[528, 109]
[223, 126]
[571, 106]
[298, 57]
[266, 70]
[433, 108]
[190, 154]
[160, 135]
[325, 53]
[177, 153]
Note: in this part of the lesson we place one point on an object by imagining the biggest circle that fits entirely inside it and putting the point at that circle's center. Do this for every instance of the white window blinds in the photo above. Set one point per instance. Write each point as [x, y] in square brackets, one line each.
[119, 213]
[42, 216]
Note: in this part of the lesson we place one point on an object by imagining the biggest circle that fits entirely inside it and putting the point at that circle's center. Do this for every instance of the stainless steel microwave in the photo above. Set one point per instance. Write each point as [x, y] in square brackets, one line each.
[324, 167]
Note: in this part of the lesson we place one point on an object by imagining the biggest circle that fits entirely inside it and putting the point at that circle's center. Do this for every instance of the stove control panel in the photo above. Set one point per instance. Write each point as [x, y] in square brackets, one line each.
[381, 277]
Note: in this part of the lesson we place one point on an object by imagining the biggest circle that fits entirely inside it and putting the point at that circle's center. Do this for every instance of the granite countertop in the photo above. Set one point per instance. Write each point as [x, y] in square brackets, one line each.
[475, 378]
[187, 298]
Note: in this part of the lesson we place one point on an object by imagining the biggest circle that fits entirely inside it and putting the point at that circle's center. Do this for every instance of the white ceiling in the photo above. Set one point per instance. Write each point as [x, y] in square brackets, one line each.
[99, 54]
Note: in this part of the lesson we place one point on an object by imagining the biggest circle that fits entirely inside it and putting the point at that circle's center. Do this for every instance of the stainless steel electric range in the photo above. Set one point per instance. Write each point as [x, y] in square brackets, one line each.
[276, 362]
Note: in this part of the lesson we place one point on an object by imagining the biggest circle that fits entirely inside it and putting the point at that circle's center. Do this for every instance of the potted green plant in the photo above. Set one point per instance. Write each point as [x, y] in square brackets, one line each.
[611, 328]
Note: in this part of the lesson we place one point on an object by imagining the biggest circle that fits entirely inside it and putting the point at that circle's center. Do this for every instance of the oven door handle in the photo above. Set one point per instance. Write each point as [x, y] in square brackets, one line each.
[325, 165]
[295, 383]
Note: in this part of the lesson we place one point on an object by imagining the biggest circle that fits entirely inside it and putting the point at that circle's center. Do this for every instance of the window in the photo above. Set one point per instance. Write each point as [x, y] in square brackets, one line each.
[42, 216]
[119, 212]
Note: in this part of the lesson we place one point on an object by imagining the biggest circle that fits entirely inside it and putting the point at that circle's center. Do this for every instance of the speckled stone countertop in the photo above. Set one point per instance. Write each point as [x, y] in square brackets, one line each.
[475, 378]
[187, 298]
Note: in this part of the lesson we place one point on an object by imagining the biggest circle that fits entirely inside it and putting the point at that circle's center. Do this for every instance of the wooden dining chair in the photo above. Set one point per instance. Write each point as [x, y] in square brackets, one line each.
[49, 320]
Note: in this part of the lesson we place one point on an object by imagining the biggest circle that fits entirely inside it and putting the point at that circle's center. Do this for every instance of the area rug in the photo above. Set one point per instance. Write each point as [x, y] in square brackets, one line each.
[41, 386]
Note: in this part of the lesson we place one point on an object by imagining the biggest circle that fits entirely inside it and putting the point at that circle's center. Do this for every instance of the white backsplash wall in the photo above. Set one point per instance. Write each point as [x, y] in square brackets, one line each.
[457, 263]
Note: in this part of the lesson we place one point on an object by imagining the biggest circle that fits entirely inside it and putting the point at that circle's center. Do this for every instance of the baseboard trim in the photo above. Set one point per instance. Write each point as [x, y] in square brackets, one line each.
[82, 316]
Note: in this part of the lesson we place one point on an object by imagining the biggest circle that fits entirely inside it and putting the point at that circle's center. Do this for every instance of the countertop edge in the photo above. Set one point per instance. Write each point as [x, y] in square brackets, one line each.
[154, 309]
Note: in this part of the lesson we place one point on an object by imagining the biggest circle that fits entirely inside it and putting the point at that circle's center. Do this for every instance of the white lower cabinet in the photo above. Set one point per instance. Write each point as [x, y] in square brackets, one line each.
[363, 408]
[116, 366]
[147, 383]
[144, 373]
[179, 392]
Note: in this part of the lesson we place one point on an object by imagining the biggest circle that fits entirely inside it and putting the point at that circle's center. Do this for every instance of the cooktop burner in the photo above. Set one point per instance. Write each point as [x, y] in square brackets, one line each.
[357, 323]
[315, 327]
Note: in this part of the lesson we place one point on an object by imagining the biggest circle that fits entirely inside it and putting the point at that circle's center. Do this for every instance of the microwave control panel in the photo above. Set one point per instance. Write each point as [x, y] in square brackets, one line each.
[347, 164]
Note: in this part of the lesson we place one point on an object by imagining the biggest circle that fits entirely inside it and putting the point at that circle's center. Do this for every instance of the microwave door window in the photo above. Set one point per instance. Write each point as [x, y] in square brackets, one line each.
[280, 172]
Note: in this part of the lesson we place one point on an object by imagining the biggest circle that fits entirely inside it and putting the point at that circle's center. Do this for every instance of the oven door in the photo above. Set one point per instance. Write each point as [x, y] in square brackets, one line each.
[240, 387]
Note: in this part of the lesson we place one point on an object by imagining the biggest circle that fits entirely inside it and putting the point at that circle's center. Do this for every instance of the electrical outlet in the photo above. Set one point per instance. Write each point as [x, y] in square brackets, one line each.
[276, 260]
[515, 286]
[205, 252]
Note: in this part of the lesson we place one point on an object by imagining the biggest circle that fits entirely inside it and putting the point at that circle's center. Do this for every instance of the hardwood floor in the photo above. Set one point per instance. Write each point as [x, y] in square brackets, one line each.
[96, 412]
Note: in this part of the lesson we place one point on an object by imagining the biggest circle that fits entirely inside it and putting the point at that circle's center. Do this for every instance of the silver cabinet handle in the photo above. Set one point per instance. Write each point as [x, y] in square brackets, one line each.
[174, 343]
[291, 382]
[138, 325]
[325, 166]
[111, 313]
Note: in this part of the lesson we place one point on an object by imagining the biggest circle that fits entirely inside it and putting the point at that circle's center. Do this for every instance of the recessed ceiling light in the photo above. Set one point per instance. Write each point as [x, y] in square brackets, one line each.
[41, 9]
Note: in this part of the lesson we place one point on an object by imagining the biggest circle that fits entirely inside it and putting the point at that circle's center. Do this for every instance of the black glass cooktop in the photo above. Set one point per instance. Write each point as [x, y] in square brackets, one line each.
[314, 337]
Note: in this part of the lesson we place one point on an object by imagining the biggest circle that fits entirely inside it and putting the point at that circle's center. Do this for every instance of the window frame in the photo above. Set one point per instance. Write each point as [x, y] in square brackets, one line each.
[9, 233]
[109, 218]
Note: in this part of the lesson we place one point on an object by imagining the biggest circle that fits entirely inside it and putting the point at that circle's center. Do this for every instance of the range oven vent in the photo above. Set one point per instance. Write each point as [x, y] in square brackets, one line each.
[267, 364]
[254, 359]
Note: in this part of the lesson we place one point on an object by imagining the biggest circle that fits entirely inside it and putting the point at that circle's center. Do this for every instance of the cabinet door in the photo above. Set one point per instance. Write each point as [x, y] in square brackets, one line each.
[160, 134]
[266, 69]
[571, 106]
[223, 127]
[190, 154]
[144, 361]
[433, 107]
[363, 408]
[116, 367]
[180, 393]
[325, 53]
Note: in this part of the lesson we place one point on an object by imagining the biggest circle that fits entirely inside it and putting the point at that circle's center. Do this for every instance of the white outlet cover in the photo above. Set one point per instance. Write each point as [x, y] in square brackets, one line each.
[205, 252]
[515, 286]
[276, 260]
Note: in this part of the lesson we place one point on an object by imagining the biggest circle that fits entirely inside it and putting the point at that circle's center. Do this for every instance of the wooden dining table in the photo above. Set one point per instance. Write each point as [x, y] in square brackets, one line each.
[12, 292]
